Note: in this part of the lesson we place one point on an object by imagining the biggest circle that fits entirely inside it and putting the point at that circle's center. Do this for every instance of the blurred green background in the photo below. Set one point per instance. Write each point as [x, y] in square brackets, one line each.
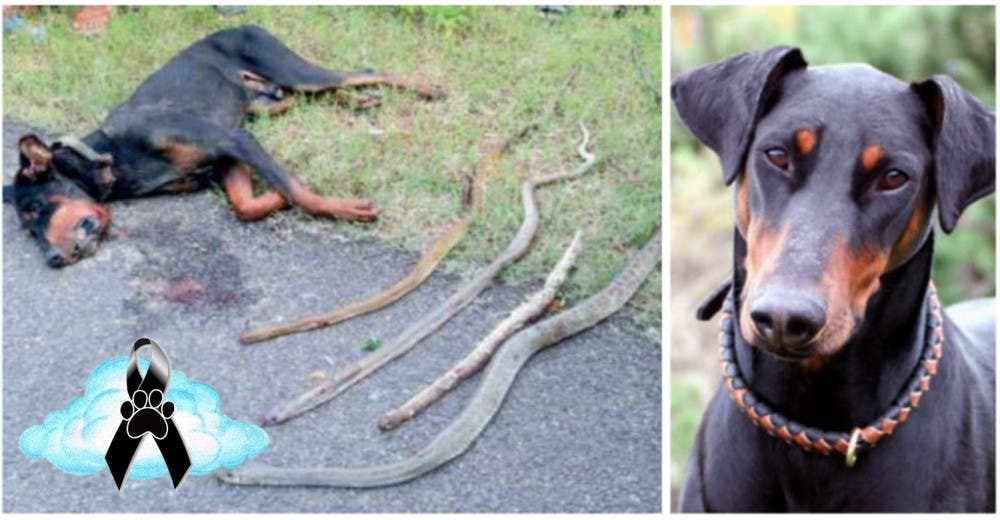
[909, 42]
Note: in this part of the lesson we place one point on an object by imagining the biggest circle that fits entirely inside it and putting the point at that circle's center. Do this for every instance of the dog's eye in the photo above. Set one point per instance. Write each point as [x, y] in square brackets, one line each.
[778, 157]
[892, 179]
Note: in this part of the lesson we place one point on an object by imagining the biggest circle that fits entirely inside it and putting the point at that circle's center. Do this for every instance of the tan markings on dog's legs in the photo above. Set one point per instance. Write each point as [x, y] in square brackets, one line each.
[350, 209]
[239, 190]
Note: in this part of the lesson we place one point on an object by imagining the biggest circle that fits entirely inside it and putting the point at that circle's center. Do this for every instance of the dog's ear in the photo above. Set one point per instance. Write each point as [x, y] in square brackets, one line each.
[35, 158]
[8, 193]
[722, 102]
[964, 147]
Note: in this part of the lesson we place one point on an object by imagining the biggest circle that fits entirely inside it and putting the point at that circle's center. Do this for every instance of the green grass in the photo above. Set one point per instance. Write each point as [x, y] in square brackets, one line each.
[685, 413]
[371, 344]
[499, 66]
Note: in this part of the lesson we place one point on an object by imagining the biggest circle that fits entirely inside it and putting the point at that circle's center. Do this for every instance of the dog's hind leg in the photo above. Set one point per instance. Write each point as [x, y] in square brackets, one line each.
[369, 78]
[268, 57]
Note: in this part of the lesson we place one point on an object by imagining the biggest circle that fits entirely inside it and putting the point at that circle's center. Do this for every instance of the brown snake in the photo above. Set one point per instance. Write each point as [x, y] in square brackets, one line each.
[427, 323]
[502, 371]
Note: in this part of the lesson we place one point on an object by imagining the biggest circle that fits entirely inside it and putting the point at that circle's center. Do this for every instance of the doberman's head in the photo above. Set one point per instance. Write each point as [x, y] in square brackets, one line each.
[60, 214]
[837, 171]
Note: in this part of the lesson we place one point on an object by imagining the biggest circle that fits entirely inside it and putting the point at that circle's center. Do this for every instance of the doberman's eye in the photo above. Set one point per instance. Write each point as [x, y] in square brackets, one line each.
[778, 157]
[892, 179]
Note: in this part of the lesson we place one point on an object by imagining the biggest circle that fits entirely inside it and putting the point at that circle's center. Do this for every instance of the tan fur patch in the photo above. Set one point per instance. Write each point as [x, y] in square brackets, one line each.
[805, 140]
[850, 279]
[61, 231]
[743, 205]
[870, 157]
[36, 152]
[185, 157]
[239, 190]
[813, 363]
[764, 247]
[910, 234]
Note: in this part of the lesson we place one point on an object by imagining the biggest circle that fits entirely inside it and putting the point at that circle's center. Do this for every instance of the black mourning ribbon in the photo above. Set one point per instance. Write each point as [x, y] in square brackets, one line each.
[144, 415]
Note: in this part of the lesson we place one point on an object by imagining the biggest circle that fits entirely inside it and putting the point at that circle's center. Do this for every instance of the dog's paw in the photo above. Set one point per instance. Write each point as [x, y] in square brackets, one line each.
[147, 414]
[361, 210]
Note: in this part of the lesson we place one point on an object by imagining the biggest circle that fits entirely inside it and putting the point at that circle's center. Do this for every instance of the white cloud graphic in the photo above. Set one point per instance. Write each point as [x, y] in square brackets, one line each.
[75, 439]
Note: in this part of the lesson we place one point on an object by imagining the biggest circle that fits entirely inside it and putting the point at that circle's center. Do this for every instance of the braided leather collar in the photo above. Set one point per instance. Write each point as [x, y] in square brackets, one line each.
[860, 439]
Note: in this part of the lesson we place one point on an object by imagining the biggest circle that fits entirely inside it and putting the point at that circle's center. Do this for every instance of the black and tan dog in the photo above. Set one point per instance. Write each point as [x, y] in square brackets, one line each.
[845, 386]
[180, 131]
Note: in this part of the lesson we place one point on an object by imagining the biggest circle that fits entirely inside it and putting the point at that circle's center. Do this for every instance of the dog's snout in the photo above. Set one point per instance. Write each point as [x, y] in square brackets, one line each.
[54, 259]
[787, 321]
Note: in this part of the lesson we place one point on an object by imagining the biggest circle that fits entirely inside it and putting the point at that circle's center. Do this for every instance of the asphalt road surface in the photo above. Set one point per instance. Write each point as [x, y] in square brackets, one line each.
[580, 430]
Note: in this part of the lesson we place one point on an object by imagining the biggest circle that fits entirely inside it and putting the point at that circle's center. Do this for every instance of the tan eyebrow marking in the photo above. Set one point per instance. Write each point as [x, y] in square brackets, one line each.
[870, 156]
[805, 140]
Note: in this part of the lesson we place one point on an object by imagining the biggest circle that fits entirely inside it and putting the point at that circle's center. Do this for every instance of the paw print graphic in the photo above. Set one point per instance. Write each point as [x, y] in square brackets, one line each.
[147, 414]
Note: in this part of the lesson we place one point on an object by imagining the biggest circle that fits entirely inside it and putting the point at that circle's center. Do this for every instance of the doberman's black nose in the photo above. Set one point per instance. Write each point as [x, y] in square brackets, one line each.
[787, 320]
[54, 259]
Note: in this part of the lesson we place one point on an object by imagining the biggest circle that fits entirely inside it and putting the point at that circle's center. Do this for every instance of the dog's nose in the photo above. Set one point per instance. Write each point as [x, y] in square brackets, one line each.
[787, 320]
[54, 259]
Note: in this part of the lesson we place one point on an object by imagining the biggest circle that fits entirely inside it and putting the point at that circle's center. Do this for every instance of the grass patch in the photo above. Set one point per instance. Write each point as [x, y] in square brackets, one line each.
[371, 344]
[500, 66]
[685, 412]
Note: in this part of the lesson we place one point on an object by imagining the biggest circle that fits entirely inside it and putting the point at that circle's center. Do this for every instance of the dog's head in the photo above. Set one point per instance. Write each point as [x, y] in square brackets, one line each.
[62, 217]
[837, 171]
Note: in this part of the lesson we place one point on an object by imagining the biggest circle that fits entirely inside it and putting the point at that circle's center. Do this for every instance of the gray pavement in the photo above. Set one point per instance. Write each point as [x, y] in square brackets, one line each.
[580, 430]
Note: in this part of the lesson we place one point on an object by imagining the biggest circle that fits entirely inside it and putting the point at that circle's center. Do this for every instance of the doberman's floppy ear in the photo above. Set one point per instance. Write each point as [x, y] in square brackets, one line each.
[722, 102]
[35, 157]
[964, 147]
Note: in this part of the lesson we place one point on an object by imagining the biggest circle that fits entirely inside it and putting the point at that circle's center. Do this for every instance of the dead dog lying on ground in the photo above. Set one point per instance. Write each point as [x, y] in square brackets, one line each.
[181, 130]
[845, 386]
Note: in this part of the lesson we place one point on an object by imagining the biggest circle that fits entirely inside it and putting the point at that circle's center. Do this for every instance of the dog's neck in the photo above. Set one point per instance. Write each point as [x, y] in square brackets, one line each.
[100, 142]
[857, 384]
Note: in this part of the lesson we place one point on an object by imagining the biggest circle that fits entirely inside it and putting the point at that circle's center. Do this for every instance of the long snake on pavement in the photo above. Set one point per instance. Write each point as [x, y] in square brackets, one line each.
[463, 431]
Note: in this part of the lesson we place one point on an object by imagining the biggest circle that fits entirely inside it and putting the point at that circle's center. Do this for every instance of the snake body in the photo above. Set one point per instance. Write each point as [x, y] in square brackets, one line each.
[423, 326]
[463, 431]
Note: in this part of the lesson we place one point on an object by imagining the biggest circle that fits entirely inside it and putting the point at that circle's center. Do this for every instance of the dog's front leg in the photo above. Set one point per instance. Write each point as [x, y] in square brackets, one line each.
[239, 190]
[248, 150]
[187, 141]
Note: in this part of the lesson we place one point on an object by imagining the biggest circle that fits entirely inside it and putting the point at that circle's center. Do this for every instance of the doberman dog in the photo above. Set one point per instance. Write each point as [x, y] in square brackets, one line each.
[845, 387]
[181, 130]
